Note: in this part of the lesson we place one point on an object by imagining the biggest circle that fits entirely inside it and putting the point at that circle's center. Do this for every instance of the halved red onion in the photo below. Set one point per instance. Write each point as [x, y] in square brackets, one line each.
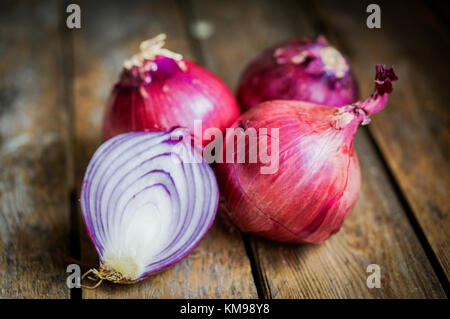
[146, 203]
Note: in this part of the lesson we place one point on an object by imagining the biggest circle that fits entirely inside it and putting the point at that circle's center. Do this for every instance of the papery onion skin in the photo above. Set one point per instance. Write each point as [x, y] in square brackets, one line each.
[318, 179]
[129, 181]
[163, 93]
[301, 69]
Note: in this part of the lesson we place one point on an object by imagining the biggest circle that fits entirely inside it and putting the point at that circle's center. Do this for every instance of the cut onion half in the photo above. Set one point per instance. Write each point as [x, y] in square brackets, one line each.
[146, 203]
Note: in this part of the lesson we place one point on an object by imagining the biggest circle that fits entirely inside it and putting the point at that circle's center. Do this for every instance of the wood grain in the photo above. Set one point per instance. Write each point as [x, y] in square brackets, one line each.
[218, 267]
[34, 209]
[376, 232]
[413, 131]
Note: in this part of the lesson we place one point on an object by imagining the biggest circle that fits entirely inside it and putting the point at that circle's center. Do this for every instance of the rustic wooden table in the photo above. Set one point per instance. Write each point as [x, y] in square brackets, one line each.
[53, 88]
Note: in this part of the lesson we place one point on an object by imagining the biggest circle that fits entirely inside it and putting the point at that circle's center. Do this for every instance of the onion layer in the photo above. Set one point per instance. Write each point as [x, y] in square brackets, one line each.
[158, 90]
[145, 203]
[301, 69]
[318, 177]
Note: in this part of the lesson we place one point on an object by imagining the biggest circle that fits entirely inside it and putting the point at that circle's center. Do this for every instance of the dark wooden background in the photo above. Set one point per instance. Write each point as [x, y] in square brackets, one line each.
[53, 88]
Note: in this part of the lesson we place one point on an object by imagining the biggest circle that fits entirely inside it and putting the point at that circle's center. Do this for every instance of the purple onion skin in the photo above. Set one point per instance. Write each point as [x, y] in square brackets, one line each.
[160, 95]
[301, 69]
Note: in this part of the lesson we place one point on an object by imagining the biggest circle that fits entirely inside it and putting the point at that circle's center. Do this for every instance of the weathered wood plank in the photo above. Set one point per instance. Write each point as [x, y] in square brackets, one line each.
[34, 208]
[413, 131]
[376, 232]
[218, 267]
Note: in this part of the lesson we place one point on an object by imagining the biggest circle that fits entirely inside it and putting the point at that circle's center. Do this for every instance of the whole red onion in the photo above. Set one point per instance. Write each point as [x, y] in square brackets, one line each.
[158, 89]
[301, 69]
[318, 177]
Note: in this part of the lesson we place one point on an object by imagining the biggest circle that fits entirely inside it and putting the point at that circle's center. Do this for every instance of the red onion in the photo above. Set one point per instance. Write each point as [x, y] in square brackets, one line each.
[301, 69]
[146, 203]
[158, 89]
[318, 177]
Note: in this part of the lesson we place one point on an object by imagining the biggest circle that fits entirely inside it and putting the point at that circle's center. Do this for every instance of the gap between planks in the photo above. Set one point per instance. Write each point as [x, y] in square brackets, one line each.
[67, 52]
